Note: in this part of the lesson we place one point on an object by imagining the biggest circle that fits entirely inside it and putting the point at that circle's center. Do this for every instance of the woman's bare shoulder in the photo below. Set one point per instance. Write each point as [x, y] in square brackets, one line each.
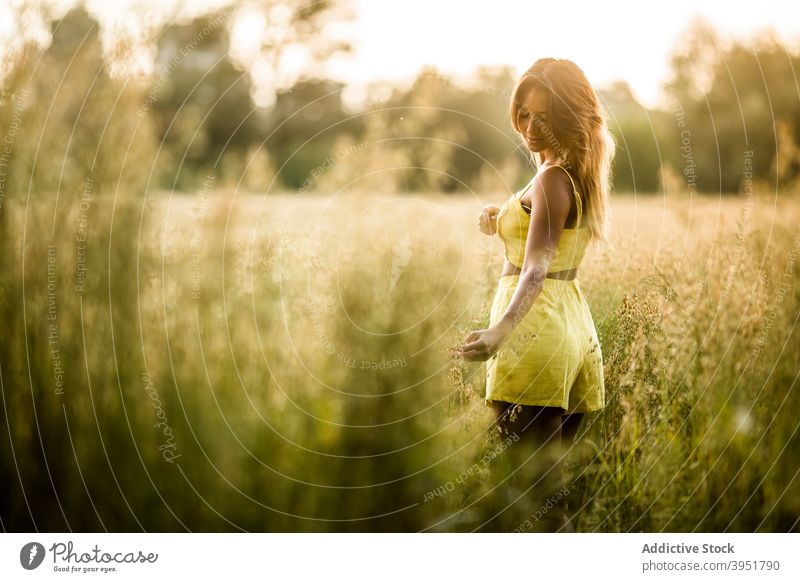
[553, 183]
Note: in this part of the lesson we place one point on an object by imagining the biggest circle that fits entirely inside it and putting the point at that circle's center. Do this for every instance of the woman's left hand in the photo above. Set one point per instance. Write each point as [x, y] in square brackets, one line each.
[480, 345]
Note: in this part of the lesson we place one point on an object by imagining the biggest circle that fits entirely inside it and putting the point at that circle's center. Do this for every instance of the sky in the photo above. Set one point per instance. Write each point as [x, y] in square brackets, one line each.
[394, 39]
[609, 40]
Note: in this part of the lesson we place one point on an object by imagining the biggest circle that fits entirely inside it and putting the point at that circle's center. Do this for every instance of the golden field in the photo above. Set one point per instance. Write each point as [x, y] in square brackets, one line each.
[219, 362]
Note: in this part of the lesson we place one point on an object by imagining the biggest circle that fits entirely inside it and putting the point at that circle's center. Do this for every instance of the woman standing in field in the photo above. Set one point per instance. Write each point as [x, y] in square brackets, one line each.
[545, 367]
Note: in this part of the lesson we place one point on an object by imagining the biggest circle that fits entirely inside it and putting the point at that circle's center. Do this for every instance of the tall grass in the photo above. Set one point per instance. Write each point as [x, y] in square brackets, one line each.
[281, 365]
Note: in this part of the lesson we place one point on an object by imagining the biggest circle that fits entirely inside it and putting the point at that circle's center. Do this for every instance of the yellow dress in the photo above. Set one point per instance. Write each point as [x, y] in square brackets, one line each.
[553, 357]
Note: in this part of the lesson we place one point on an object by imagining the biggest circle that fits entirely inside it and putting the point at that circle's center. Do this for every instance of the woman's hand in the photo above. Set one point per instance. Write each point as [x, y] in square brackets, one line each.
[487, 221]
[480, 345]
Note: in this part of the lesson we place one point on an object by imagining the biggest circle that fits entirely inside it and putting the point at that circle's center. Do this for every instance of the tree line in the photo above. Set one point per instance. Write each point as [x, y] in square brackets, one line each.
[732, 123]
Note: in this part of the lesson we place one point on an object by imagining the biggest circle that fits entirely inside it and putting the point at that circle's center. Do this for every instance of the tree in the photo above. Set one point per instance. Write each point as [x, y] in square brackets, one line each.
[77, 130]
[729, 101]
[203, 96]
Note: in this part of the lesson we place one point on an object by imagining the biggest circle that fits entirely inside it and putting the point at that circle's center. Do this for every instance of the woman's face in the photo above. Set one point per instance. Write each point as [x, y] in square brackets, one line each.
[532, 120]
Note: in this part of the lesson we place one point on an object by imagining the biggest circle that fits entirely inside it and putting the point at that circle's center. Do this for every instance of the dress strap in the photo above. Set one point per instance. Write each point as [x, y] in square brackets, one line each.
[577, 197]
[568, 175]
[524, 189]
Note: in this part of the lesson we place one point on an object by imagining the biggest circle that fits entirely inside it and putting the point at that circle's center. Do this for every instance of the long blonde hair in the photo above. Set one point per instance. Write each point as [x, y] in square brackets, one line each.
[578, 125]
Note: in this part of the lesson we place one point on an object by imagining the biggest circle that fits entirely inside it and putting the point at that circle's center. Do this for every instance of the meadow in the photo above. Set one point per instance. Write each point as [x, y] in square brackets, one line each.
[221, 362]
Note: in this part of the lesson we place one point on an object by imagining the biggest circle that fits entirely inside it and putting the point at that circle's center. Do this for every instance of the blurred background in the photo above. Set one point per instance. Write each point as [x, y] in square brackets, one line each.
[238, 237]
[262, 93]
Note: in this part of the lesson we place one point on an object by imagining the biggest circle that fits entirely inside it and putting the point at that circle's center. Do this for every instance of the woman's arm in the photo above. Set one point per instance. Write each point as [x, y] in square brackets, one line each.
[550, 206]
[549, 210]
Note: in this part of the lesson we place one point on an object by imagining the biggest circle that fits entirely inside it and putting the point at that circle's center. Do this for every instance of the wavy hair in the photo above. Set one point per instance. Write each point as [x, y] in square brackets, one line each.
[577, 127]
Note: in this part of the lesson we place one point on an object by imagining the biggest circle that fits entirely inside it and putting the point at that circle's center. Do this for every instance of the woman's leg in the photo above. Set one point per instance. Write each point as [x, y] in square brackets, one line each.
[569, 428]
[532, 436]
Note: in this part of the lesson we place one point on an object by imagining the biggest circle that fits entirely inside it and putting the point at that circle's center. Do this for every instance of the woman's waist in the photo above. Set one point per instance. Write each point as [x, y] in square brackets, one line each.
[510, 269]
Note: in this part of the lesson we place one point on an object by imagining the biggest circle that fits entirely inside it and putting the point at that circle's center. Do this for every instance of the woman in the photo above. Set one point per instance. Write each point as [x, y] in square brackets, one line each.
[545, 367]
